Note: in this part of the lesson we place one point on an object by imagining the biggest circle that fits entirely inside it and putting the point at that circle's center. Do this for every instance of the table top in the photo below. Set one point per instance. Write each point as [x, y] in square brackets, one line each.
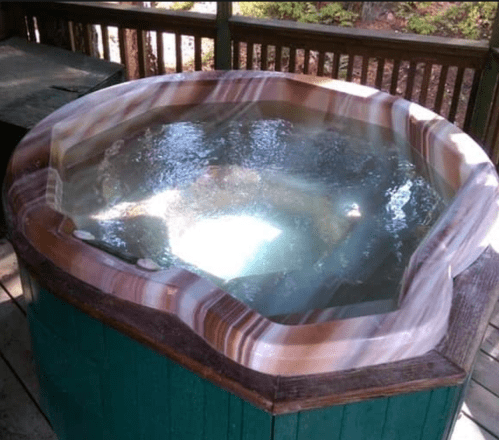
[36, 80]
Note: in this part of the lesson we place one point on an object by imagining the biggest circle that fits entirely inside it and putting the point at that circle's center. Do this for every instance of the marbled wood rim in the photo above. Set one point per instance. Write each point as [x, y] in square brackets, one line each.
[228, 326]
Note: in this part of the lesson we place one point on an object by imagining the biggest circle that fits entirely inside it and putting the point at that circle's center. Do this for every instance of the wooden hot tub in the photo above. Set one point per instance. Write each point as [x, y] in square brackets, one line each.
[127, 346]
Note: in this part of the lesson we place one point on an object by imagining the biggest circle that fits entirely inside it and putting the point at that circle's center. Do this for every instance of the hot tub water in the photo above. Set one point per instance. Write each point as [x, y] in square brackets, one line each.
[288, 212]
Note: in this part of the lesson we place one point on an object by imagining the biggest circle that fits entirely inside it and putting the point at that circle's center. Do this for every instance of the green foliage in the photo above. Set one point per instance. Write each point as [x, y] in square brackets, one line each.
[304, 12]
[478, 19]
[334, 13]
[472, 20]
[181, 6]
[421, 25]
[254, 9]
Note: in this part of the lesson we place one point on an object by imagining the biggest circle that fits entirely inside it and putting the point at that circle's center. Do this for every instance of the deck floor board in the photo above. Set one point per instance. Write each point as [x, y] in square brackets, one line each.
[486, 372]
[494, 320]
[491, 342]
[15, 343]
[22, 419]
[482, 406]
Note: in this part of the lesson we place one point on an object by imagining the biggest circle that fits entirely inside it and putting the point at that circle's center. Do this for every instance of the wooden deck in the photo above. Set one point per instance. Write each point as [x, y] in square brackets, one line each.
[21, 417]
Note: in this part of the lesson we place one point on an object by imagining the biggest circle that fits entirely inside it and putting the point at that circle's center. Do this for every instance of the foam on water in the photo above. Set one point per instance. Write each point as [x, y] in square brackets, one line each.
[287, 216]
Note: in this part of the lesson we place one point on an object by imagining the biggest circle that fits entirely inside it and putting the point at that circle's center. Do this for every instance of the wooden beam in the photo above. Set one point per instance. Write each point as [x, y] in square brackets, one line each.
[222, 41]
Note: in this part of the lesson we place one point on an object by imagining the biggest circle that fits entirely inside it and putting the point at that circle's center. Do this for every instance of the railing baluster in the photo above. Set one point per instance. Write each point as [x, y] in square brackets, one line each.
[263, 58]
[441, 89]
[292, 59]
[472, 99]
[161, 52]
[178, 52]
[306, 61]
[379, 73]
[249, 56]
[320, 63]
[87, 39]
[197, 54]
[278, 56]
[336, 65]
[141, 46]
[71, 31]
[30, 23]
[351, 59]
[410, 80]
[236, 62]
[123, 45]
[395, 77]
[123, 49]
[365, 68]
[456, 94]
[423, 94]
[105, 41]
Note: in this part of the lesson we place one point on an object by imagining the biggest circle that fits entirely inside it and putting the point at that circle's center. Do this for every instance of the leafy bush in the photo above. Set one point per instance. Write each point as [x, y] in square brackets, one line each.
[334, 13]
[254, 9]
[472, 20]
[421, 25]
[477, 19]
[181, 6]
[304, 12]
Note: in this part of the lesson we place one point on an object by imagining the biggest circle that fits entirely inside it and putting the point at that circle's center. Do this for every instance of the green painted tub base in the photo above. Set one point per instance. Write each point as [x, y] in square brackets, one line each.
[98, 384]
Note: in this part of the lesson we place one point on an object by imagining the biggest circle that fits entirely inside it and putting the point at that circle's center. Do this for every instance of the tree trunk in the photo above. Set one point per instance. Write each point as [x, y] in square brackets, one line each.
[372, 10]
[368, 11]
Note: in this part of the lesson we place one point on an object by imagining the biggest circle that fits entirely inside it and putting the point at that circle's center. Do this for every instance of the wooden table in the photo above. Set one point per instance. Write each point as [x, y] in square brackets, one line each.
[36, 80]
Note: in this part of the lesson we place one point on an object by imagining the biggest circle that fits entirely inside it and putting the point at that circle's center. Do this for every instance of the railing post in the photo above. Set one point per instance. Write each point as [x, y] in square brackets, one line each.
[482, 114]
[494, 38]
[222, 42]
[492, 130]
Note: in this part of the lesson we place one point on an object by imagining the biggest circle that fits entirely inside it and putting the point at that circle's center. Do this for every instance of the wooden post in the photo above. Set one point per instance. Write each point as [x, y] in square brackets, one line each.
[480, 122]
[494, 38]
[491, 136]
[222, 42]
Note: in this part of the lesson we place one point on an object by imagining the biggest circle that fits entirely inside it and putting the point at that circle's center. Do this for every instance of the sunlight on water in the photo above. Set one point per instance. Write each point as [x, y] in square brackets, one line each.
[287, 213]
[225, 246]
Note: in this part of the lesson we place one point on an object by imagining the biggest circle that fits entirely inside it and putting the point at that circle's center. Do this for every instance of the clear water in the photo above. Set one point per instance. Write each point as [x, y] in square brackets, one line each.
[288, 211]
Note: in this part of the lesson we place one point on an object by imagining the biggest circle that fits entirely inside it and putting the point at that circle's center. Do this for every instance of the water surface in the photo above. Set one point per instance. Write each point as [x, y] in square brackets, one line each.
[287, 210]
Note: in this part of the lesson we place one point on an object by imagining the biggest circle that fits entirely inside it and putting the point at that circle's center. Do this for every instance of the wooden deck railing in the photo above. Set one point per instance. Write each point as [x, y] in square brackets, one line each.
[445, 75]
[399, 64]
